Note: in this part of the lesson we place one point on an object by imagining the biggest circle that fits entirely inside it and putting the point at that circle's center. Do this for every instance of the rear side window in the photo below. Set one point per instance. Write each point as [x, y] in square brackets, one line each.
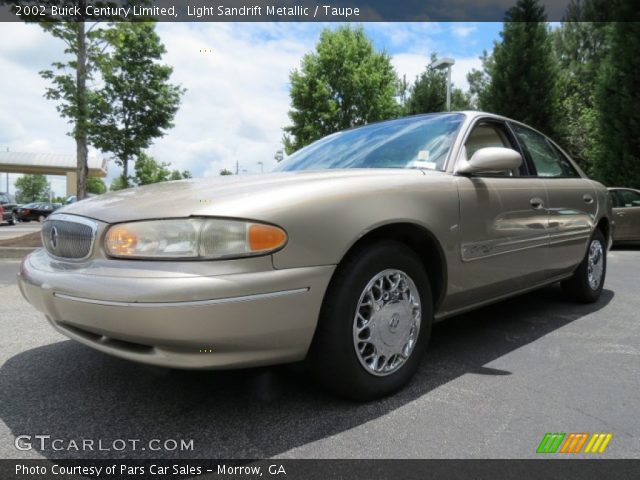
[547, 160]
[629, 198]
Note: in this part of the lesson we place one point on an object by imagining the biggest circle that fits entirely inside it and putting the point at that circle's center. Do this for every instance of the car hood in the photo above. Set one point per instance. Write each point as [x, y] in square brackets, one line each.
[251, 196]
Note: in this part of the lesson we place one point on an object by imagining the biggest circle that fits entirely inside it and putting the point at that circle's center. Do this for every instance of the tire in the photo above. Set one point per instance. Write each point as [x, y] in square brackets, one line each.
[346, 366]
[14, 219]
[41, 218]
[579, 287]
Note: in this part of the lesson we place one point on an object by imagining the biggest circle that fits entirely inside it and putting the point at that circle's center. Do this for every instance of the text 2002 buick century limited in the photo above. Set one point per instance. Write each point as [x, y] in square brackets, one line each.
[344, 256]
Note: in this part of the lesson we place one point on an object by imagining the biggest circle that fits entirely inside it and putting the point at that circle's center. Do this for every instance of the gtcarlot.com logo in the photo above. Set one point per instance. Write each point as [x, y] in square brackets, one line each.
[49, 443]
[574, 442]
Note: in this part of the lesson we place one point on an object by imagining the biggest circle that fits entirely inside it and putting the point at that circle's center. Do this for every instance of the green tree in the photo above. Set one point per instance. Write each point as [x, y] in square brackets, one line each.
[580, 45]
[618, 102]
[118, 183]
[96, 185]
[479, 81]
[225, 171]
[344, 83]
[180, 175]
[429, 93]
[71, 77]
[149, 171]
[32, 188]
[137, 102]
[521, 72]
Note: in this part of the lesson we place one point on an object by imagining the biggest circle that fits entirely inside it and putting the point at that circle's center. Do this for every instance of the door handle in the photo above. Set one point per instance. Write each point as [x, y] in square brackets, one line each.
[587, 198]
[620, 214]
[536, 203]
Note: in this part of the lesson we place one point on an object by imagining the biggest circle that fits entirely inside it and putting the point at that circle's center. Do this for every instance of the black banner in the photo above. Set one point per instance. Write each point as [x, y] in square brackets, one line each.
[579, 469]
[272, 10]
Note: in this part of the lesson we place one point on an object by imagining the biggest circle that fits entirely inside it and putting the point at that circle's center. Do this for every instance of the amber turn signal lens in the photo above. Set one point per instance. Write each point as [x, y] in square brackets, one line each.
[265, 237]
[121, 241]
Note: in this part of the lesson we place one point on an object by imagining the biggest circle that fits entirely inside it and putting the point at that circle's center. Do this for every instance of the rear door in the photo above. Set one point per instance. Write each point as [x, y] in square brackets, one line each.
[572, 201]
[626, 211]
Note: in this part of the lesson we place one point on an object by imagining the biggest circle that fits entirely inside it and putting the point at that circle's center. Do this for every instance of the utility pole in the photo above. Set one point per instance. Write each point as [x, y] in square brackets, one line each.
[237, 167]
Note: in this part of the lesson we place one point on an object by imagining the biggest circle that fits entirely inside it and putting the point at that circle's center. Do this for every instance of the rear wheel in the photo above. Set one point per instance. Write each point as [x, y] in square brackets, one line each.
[586, 284]
[375, 323]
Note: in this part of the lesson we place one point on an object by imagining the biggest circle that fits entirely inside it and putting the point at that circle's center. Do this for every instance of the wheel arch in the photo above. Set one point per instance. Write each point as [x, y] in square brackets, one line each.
[423, 243]
[604, 225]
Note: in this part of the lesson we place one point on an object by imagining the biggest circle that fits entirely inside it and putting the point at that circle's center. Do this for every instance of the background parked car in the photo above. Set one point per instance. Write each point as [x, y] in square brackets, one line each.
[7, 207]
[626, 212]
[35, 211]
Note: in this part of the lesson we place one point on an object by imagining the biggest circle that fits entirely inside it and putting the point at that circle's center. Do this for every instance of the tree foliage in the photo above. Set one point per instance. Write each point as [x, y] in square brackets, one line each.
[520, 75]
[96, 186]
[429, 93]
[580, 45]
[344, 83]
[32, 188]
[618, 102]
[149, 171]
[137, 102]
[69, 83]
[226, 171]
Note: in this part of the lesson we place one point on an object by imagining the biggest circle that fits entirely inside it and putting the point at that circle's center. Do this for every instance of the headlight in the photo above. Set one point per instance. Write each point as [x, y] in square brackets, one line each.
[192, 238]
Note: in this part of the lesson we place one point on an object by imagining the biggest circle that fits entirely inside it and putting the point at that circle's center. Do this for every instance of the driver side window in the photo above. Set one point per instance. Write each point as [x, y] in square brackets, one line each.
[486, 135]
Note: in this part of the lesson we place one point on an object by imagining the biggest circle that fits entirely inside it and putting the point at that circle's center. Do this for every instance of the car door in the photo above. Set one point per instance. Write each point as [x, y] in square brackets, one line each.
[626, 212]
[503, 222]
[572, 200]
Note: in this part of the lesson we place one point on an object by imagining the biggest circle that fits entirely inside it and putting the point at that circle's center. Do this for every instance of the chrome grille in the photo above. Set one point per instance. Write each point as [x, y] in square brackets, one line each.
[67, 236]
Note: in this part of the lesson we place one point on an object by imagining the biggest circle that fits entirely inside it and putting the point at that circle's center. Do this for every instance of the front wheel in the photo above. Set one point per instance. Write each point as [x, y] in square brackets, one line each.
[586, 284]
[375, 323]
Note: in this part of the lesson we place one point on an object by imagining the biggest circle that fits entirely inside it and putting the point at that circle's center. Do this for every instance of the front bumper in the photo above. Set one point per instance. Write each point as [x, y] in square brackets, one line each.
[239, 319]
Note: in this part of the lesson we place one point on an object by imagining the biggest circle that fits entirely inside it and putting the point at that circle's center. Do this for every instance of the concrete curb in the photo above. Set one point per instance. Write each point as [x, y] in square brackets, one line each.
[15, 252]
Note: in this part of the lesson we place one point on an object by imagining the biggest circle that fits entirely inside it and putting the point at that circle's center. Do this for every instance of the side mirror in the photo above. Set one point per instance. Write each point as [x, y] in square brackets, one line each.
[491, 159]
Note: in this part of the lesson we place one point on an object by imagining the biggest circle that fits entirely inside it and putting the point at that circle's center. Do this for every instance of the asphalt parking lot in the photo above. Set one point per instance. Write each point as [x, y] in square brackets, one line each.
[492, 384]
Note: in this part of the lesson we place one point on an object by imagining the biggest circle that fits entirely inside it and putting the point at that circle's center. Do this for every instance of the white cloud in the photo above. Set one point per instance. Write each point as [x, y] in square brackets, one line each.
[463, 31]
[237, 96]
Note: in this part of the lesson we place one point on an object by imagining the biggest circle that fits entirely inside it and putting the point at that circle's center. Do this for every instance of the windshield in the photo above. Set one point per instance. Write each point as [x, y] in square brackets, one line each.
[414, 142]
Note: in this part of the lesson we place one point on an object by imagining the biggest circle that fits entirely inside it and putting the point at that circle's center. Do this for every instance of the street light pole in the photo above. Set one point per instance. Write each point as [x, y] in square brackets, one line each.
[449, 89]
[441, 65]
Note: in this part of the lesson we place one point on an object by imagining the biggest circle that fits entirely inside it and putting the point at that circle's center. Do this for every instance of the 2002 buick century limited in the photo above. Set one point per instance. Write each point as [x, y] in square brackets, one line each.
[344, 256]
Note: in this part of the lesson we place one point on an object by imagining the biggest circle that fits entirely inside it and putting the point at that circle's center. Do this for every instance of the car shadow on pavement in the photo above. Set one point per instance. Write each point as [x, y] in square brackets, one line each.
[69, 391]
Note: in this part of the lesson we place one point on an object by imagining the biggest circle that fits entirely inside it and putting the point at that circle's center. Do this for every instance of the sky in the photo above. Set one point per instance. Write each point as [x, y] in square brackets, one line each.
[236, 78]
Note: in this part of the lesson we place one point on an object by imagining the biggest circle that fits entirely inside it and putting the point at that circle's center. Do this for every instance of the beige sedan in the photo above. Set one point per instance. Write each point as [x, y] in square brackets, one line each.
[344, 256]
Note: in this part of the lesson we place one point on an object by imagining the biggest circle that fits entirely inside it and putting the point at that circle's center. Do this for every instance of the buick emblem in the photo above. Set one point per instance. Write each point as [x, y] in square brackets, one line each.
[394, 322]
[53, 237]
